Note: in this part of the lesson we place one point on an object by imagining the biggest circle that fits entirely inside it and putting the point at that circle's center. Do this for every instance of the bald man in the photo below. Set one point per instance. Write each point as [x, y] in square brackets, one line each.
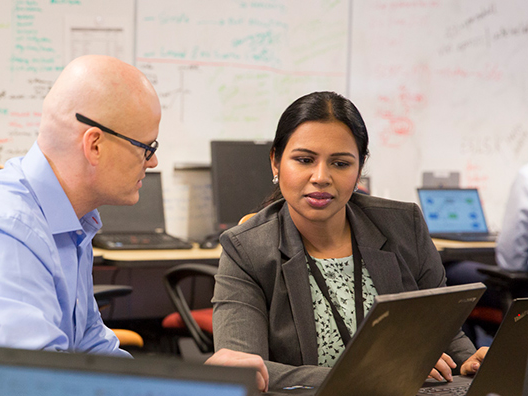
[97, 137]
[48, 202]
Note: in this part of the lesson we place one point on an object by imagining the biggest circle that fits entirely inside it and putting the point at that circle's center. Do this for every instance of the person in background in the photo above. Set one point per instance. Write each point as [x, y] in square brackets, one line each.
[267, 299]
[511, 252]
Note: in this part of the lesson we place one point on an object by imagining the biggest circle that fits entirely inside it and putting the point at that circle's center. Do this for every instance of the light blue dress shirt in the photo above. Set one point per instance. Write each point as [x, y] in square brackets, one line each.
[512, 243]
[46, 259]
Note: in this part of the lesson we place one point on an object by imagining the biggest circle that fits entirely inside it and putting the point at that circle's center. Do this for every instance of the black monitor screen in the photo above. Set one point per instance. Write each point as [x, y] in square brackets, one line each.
[241, 178]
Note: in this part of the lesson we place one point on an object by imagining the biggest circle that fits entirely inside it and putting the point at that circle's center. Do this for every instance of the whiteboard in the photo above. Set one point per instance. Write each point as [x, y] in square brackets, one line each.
[222, 69]
[227, 69]
[37, 39]
[443, 86]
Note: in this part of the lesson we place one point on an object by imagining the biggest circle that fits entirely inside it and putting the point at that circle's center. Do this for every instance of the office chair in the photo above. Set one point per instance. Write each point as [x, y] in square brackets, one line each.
[197, 323]
[104, 296]
[509, 284]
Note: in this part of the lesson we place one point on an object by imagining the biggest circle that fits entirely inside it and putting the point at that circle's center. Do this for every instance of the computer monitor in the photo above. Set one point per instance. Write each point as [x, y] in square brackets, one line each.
[241, 178]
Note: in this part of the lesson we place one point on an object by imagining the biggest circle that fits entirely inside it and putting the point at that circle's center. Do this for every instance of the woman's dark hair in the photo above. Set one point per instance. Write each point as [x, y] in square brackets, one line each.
[322, 107]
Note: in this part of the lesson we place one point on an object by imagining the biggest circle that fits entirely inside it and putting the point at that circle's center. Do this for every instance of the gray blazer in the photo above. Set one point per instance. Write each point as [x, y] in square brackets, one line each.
[262, 299]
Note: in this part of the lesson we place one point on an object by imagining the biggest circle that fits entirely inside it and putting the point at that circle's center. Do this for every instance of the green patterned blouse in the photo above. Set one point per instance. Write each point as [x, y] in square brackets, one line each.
[339, 277]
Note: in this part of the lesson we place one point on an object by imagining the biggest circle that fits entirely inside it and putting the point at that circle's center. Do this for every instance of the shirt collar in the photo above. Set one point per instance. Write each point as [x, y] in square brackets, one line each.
[53, 200]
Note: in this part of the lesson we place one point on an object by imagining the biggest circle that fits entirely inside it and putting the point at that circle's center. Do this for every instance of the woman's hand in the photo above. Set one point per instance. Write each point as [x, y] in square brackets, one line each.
[442, 369]
[471, 366]
[227, 357]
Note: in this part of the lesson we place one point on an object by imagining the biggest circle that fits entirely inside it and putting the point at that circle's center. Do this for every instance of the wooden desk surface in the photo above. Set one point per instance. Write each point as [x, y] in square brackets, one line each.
[442, 244]
[452, 251]
[159, 255]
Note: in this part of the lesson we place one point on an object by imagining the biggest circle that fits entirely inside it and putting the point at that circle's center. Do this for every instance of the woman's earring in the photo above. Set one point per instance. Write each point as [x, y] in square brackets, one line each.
[275, 179]
[355, 188]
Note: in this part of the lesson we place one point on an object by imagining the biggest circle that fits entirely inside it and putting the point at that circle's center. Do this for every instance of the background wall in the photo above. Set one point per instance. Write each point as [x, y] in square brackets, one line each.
[222, 69]
[442, 84]
[227, 70]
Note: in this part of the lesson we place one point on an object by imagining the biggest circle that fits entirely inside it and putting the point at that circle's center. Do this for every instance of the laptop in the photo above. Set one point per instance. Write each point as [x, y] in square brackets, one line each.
[42, 373]
[140, 226]
[454, 213]
[398, 343]
[503, 370]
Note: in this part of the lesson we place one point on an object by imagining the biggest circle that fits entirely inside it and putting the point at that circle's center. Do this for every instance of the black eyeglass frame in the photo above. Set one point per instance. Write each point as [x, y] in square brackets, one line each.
[149, 150]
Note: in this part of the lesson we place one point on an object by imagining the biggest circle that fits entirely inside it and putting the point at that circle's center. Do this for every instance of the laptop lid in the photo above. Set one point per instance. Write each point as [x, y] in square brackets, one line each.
[32, 373]
[504, 367]
[503, 371]
[146, 216]
[452, 211]
[400, 340]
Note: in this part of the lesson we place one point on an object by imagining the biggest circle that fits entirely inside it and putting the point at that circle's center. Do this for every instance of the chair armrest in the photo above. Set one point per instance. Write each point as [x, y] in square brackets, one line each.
[104, 294]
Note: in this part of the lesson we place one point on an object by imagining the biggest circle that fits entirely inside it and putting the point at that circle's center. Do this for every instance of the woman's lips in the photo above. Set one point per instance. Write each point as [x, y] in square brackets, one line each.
[319, 200]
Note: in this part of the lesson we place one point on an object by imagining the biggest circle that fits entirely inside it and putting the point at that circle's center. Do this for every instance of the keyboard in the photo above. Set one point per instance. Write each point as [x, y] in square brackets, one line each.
[460, 390]
[459, 387]
[139, 242]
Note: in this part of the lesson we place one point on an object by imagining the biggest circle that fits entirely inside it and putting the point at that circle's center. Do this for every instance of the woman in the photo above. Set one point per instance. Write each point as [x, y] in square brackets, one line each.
[267, 300]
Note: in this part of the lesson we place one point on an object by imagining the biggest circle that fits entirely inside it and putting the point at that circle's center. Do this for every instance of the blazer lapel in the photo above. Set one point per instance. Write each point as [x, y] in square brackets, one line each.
[382, 266]
[295, 274]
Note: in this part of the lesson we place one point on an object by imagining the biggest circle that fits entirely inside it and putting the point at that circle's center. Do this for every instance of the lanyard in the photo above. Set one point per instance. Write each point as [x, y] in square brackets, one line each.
[358, 291]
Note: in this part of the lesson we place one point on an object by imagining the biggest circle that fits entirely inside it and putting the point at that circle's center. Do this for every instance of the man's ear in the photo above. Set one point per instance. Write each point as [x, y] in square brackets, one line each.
[92, 139]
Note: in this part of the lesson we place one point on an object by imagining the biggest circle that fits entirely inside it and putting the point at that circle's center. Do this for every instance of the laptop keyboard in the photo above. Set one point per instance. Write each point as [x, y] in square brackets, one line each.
[452, 391]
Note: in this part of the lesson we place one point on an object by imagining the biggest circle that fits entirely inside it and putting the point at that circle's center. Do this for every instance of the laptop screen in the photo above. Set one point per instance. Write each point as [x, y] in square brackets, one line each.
[145, 216]
[452, 210]
[33, 373]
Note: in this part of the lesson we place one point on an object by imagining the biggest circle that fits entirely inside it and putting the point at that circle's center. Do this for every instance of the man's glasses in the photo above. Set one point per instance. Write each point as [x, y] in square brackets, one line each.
[149, 150]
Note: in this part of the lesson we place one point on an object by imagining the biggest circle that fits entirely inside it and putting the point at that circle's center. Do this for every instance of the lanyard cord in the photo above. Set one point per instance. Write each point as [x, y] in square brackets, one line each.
[358, 289]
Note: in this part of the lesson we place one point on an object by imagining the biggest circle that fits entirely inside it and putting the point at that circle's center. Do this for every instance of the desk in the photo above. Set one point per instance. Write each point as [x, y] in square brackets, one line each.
[482, 252]
[164, 258]
[144, 270]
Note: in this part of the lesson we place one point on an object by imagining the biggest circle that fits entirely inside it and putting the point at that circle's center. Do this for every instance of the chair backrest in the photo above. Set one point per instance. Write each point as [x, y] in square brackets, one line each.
[246, 218]
[172, 279]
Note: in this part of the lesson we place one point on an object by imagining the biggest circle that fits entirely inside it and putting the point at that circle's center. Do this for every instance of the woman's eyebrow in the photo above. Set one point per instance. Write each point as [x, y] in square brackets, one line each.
[308, 151]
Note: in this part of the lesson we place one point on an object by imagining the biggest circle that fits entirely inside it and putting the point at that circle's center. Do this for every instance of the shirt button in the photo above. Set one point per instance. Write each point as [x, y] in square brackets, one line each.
[79, 232]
